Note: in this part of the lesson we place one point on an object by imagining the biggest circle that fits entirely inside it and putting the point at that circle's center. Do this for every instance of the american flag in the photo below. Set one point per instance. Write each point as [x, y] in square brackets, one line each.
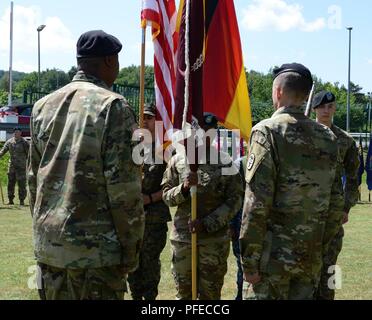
[161, 15]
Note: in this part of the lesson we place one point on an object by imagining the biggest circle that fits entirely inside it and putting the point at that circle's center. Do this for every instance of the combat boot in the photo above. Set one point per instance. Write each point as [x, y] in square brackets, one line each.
[21, 203]
[10, 203]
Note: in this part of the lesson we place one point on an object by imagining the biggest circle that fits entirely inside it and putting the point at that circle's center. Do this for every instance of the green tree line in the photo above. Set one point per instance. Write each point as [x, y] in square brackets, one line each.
[259, 86]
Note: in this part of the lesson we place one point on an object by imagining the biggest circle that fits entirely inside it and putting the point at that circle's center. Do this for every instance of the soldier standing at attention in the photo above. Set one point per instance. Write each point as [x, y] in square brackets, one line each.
[324, 106]
[18, 149]
[291, 187]
[145, 280]
[219, 197]
[85, 190]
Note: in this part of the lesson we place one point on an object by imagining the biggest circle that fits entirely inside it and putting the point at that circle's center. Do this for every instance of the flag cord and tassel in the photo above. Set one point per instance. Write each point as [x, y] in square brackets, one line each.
[193, 191]
[142, 76]
[187, 62]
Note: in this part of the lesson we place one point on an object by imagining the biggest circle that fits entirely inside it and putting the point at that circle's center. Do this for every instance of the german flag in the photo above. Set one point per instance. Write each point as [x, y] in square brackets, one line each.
[218, 82]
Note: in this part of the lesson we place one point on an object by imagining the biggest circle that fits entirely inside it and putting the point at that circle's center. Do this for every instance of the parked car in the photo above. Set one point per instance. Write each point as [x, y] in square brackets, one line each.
[19, 114]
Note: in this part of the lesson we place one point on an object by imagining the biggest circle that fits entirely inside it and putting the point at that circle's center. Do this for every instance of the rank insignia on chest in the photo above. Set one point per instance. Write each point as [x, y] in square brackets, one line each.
[251, 161]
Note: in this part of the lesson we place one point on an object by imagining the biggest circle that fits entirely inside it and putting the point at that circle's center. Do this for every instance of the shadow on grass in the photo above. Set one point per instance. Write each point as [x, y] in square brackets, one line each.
[14, 207]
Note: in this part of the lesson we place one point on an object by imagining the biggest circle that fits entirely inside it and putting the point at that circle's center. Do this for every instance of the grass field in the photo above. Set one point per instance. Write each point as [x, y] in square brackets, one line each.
[17, 262]
[16, 258]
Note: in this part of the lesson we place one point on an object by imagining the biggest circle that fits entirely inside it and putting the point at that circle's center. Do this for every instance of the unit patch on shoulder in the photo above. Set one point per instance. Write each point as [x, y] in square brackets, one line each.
[251, 161]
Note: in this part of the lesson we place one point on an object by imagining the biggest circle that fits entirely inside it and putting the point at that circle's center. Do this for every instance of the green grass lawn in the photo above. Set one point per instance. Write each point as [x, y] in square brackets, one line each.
[16, 258]
[17, 262]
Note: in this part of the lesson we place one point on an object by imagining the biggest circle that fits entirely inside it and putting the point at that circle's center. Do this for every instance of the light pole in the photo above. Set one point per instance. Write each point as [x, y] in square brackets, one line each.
[369, 111]
[39, 29]
[348, 85]
[58, 72]
[11, 57]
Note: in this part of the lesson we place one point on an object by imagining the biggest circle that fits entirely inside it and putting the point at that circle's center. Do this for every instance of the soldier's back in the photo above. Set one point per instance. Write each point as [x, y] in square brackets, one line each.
[72, 222]
[305, 157]
[303, 151]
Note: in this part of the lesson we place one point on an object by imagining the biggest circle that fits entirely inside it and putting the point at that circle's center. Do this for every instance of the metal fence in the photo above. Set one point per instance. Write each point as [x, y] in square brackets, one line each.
[30, 97]
[131, 93]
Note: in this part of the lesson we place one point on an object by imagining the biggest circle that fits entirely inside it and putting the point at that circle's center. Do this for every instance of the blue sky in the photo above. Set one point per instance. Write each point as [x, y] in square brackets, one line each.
[272, 31]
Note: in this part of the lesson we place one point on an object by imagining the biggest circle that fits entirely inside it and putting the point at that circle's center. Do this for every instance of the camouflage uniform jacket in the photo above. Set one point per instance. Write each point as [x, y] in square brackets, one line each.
[348, 153]
[85, 190]
[291, 185]
[18, 150]
[157, 212]
[219, 197]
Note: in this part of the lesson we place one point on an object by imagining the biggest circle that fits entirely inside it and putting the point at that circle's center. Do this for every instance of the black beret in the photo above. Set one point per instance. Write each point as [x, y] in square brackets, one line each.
[293, 67]
[97, 43]
[150, 109]
[17, 129]
[323, 97]
[210, 119]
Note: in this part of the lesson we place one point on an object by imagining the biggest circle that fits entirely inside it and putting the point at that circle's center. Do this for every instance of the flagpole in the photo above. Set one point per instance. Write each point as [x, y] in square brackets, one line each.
[193, 190]
[11, 57]
[142, 76]
[310, 101]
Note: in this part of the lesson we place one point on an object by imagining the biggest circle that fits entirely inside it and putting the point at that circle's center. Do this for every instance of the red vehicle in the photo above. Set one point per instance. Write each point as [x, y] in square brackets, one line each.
[19, 114]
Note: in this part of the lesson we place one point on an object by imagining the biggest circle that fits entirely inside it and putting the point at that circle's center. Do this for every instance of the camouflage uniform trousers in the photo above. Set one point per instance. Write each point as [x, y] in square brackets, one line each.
[330, 260]
[333, 238]
[17, 175]
[235, 226]
[107, 283]
[212, 267]
[280, 287]
[144, 281]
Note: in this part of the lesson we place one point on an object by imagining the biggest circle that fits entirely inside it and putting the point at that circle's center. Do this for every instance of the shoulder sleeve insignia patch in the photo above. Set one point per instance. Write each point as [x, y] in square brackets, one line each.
[251, 160]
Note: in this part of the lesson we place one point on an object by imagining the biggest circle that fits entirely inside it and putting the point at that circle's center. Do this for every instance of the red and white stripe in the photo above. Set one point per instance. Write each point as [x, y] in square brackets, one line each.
[161, 15]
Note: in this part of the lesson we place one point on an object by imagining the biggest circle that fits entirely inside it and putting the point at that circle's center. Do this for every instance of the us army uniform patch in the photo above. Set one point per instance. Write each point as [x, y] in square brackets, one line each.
[251, 161]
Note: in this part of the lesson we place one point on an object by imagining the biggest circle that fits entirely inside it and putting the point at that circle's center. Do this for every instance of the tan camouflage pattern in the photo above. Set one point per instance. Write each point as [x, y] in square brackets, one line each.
[348, 166]
[152, 174]
[291, 186]
[219, 197]
[18, 151]
[145, 280]
[280, 287]
[348, 153]
[106, 283]
[324, 292]
[17, 176]
[212, 267]
[85, 190]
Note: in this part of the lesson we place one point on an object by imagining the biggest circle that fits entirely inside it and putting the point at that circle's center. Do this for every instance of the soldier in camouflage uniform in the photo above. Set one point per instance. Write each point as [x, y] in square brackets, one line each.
[324, 105]
[145, 280]
[291, 187]
[18, 149]
[219, 197]
[85, 190]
